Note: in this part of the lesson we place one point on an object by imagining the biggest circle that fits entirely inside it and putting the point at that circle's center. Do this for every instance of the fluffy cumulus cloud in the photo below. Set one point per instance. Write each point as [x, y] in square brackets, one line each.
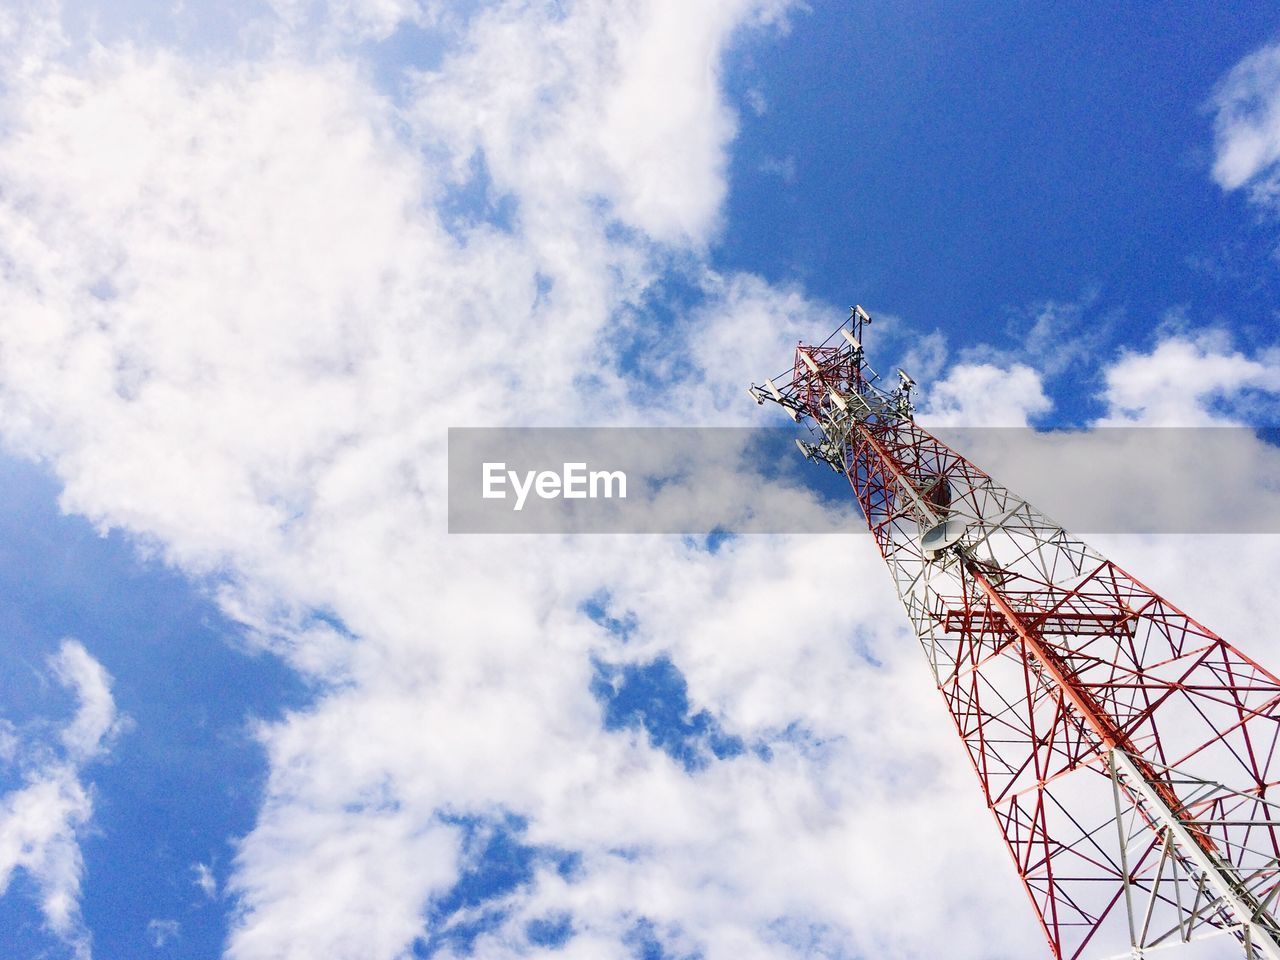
[42, 820]
[598, 102]
[242, 301]
[1247, 126]
[1192, 382]
[986, 395]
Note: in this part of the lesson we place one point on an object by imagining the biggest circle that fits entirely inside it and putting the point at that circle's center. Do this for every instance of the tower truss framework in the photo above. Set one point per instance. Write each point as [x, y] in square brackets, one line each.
[1127, 752]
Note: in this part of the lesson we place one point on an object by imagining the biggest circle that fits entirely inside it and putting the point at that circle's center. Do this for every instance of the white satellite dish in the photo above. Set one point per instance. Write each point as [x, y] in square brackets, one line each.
[942, 535]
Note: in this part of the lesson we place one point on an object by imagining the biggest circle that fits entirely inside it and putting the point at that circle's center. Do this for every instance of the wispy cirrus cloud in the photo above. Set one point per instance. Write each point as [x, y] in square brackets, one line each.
[42, 821]
[1246, 108]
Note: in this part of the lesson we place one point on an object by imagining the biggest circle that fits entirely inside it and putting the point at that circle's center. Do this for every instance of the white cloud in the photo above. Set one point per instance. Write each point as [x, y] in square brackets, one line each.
[8, 741]
[602, 101]
[350, 21]
[346, 883]
[1247, 126]
[985, 395]
[784, 168]
[205, 880]
[96, 720]
[163, 932]
[38, 834]
[41, 822]
[1188, 382]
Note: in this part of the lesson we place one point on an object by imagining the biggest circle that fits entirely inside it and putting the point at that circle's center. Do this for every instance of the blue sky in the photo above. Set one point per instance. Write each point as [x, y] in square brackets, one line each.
[257, 262]
[1053, 153]
[187, 776]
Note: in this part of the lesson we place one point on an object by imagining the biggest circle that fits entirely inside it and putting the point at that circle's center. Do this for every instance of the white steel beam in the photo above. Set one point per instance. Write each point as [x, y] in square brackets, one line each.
[1220, 878]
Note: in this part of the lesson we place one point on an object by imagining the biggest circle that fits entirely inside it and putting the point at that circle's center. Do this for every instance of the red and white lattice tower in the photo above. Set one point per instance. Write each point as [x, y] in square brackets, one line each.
[1127, 752]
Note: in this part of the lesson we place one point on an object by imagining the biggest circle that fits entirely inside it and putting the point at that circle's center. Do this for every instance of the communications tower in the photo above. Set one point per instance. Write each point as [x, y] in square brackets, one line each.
[1127, 752]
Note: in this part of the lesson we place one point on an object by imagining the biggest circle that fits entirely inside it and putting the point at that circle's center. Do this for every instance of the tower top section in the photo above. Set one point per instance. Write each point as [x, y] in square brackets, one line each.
[831, 383]
[831, 387]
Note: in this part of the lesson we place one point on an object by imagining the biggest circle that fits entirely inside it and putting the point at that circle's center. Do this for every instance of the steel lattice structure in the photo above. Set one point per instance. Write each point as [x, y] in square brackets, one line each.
[1127, 752]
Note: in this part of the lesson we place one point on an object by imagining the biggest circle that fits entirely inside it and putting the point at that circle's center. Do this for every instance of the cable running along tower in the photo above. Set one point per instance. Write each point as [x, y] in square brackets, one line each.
[1126, 751]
